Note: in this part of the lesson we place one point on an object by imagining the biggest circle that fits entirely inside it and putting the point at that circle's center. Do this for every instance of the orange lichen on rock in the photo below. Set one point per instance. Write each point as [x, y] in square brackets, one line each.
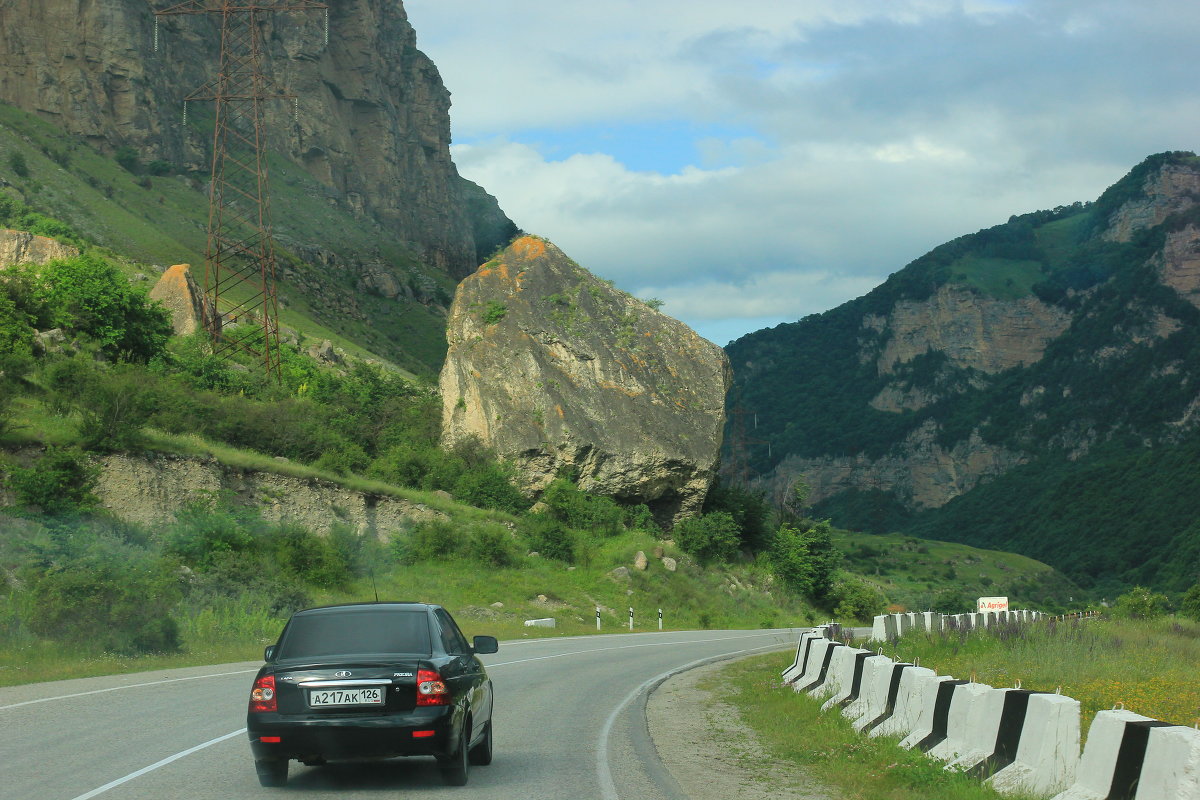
[559, 409]
[529, 248]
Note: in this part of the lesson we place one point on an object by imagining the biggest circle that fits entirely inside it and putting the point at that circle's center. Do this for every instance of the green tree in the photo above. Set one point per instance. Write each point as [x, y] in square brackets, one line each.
[853, 599]
[805, 559]
[709, 537]
[59, 482]
[89, 295]
[1189, 606]
[1140, 603]
[749, 510]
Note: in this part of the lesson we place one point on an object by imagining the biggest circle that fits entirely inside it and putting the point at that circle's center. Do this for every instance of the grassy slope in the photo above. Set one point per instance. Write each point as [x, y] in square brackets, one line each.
[165, 223]
[911, 571]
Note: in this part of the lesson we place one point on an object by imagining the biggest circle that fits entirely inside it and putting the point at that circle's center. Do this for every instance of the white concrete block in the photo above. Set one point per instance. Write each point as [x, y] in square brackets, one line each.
[970, 744]
[903, 624]
[847, 680]
[1172, 765]
[817, 669]
[841, 673]
[855, 707]
[546, 622]
[950, 732]
[879, 696]
[1098, 766]
[802, 647]
[914, 702]
[931, 621]
[1047, 755]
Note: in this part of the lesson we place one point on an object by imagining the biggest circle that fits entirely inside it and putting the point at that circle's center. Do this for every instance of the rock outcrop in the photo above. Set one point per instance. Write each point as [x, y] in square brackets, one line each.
[372, 121]
[22, 247]
[556, 370]
[179, 293]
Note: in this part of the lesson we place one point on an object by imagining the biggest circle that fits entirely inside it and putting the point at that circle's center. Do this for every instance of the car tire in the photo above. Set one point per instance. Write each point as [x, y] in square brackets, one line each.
[481, 754]
[271, 772]
[454, 766]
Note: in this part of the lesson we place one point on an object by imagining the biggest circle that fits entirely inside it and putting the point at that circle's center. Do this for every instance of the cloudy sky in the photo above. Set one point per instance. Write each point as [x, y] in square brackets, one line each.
[750, 163]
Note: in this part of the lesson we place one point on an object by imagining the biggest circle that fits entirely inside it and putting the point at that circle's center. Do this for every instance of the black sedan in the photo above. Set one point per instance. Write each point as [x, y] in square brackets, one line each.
[371, 680]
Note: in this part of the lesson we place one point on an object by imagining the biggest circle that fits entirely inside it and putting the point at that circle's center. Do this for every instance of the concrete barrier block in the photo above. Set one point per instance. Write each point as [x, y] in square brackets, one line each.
[818, 665]
[931, 621]
[971, 739]
[1111, 765]
[903, 624]
[883, 628]
[546, 622]
[855, 706]
[913, 703]
[943, 739]
[879, 696]
[1041, 756]
[847, 681]
[1171, 768]
[810, 644]
[802, 647]
[840, 673]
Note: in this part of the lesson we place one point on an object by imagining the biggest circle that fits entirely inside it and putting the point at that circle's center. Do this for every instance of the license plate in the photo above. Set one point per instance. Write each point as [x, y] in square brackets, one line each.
[372, 695]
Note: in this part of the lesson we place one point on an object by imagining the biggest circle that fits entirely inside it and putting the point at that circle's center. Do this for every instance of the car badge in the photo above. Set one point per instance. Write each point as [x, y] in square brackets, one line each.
[342, 673]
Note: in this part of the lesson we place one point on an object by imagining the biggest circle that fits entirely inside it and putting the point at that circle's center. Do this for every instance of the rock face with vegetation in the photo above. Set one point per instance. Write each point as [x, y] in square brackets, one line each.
[179, 293]
[22, 247]
[1034, 386]
[558, 371]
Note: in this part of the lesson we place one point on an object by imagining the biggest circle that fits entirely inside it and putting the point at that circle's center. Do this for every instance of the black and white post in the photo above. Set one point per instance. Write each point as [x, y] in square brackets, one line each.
[631, 618]
[660, 619]
[597, 618]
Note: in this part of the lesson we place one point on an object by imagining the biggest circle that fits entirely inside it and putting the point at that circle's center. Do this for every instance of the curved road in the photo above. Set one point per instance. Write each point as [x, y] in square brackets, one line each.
[570, 723]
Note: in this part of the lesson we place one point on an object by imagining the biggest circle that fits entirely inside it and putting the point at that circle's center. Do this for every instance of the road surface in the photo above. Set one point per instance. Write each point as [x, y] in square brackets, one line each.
[569, 723]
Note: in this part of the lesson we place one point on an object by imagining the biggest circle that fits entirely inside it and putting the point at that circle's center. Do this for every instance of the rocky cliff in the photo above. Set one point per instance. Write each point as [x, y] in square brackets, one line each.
[1048, 335]
[371, 121]
[556, 370]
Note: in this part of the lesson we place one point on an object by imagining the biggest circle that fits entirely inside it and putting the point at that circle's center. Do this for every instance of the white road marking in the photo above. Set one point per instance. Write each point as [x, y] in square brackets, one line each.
[608, 788]
[628, 646]
[113, 784]
[127, 686]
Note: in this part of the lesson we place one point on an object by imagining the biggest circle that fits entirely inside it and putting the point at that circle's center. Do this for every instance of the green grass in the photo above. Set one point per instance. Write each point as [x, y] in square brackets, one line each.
[1001, 278]
[791, 726]
[911, 571]
[1060, 239]
[1149, 666]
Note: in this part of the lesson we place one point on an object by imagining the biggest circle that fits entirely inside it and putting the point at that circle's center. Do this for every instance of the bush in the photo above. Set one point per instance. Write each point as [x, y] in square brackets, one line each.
[852, 599]
[429, 541]
[1189, 606]
[549, 537]
[158, 167]
[18, 164]
[805, 560]
[119, 608]
[305, 556]
[709, 537]
[205, 534]
[574, 507]
[1140, 603]
[128, 158]
[113, 409]
[343, 458]
[60, 482]
[492, 545]
[489, 486]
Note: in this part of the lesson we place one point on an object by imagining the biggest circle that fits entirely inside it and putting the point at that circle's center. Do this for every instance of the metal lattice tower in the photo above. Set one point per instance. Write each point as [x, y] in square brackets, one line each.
[239, 259]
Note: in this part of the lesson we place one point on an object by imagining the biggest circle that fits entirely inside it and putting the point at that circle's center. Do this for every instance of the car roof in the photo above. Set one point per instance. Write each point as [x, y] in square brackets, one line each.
[369, 606]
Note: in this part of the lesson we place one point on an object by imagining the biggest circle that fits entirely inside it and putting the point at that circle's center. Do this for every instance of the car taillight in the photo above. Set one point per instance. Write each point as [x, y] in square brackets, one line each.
[431, 689]
[262, 696]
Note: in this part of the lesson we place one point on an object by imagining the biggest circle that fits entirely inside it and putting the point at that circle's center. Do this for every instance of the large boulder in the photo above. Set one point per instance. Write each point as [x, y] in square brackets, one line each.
[23, 247]
[179, 293]
[554, 368]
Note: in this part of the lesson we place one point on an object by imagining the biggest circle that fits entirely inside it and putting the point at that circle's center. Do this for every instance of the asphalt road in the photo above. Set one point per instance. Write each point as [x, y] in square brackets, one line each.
[569, 723]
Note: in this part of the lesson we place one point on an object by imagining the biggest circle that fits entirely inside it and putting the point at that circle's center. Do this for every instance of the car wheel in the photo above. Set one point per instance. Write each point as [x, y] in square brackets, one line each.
[272, 772]
[454, 766]
[481, 754]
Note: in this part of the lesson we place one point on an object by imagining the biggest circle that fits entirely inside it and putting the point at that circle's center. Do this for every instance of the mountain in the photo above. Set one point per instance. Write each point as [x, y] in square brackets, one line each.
[1033, 387]
[375, 222]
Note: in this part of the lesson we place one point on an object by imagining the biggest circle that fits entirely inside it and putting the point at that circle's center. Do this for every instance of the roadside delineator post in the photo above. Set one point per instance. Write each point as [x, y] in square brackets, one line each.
[631, 618]
[597, 618]
[660, 619]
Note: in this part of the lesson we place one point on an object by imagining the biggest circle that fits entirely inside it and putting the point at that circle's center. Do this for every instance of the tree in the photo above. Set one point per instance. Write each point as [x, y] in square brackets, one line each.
[1189, 606]
[805, 559]
[749, 509]
[1140, 603]
[709, 537]
[853, 599]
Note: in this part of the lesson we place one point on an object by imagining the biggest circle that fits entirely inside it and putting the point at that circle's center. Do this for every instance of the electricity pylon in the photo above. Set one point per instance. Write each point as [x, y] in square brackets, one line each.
[239, 259]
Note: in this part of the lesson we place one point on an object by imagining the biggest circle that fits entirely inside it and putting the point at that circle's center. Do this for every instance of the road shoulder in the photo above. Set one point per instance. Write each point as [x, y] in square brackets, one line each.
[709, 749]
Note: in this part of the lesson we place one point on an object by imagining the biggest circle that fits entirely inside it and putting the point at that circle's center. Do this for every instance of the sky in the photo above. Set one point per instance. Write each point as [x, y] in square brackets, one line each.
[752, 163]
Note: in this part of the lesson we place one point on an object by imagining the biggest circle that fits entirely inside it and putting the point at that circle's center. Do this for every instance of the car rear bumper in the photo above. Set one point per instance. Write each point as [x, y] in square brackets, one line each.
[422, 731]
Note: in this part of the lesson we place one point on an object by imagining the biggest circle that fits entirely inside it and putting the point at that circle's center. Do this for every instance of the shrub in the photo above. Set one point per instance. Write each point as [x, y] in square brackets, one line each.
[640, 518]
[305, 556]
[429, 541]
[120, 608]
[18, 164]
[569, 504]
[1189, 606]
[114, 407]
[709, 537]
[1140, 603]
[205, 533]
[158, 167]
[128, 158]
[852, 599]
[489, 486]
[805, 560]
[549, 537]
[492, 545]
[343, 458]
[60, 481]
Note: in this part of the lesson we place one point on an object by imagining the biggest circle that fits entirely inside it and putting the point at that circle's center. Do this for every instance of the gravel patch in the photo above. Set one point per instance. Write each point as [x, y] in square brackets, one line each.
[710, 750]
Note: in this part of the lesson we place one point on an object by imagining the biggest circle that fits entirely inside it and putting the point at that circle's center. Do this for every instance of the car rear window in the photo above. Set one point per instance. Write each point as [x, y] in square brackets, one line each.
[356, 631]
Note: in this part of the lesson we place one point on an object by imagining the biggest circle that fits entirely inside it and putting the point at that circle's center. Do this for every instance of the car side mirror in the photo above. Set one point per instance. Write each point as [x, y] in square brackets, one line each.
[269, 653]
[485, 645]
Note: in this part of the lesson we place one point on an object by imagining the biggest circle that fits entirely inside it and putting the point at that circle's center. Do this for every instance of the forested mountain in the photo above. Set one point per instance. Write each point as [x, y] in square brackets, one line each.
[1033, 387]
